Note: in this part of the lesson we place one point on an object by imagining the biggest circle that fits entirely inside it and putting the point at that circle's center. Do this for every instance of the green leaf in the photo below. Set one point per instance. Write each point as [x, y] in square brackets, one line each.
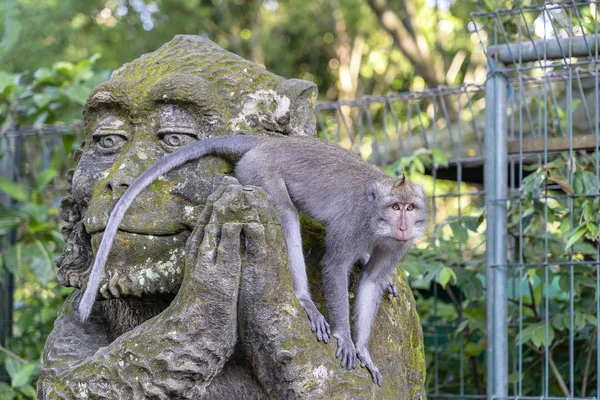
[6, 392]
[45, 178]
[565, 226]
[439, 158]
[575, 236]
[578, 182]
[473, 349]
[514, 377]
[445, 275]
[593, 229]
[9, 219]
[28, 390]
[590, 319]
[419, 166]
[14, 190]
[43, 75]
[461, 327]
[78, 93]
[21, 374]
[558, 324]
[40, 261]
[471, 223]
[64, 68]
[460, 232]
[13, 260]
[7, 80]
[539, 337]
[590, 182]
[41, 100]
[39, 212]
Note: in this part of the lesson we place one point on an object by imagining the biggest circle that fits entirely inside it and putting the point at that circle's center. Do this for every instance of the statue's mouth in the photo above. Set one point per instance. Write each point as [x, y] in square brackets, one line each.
[142, 263]
[154, 232]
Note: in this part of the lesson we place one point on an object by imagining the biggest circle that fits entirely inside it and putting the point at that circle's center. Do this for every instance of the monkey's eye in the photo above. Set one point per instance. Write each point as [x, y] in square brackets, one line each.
[175, 140]
[109, 143]
[410, 207]
[396, 207]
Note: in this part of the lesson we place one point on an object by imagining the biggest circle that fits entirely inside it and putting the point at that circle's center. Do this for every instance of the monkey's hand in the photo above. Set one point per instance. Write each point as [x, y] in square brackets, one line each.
[366, 362]
[318, 324]
[391, 288]
[346, 350]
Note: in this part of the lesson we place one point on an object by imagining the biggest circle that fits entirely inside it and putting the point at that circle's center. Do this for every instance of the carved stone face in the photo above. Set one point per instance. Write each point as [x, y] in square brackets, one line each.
[187, 90]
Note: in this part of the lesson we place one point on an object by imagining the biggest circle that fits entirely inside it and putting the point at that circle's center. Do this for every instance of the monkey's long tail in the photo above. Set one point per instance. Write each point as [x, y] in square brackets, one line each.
[233, 145]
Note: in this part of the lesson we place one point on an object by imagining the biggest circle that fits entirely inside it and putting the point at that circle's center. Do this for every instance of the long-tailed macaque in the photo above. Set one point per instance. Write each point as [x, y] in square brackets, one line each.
[365, 212]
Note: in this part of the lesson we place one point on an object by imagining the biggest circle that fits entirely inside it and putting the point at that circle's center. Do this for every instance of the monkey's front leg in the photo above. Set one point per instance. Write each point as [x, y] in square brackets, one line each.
[335, 281]
[290, 223]
[375, 277]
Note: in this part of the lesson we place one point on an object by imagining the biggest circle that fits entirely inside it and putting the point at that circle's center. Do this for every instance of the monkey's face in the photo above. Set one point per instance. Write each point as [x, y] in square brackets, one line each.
[400, 211]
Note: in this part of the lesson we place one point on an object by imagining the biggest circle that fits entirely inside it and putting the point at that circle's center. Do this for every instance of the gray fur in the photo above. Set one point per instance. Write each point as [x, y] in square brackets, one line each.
[332, 185]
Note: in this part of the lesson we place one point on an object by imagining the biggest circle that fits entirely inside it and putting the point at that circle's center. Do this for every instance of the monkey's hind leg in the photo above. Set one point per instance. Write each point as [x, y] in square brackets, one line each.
[290, 222]
[374, 278]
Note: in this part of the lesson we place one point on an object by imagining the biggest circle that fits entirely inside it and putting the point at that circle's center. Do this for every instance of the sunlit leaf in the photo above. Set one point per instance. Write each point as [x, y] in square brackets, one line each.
[439, 158]
[445, 275]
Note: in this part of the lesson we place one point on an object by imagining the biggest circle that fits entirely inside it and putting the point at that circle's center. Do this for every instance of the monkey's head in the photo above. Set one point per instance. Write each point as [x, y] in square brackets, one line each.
[185, 91]
[399, 210]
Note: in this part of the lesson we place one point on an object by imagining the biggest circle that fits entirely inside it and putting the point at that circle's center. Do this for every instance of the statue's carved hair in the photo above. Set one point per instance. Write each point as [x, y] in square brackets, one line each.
[77, 256]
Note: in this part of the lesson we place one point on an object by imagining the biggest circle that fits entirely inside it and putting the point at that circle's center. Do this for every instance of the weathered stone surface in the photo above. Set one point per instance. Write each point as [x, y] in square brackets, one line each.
[197, 300]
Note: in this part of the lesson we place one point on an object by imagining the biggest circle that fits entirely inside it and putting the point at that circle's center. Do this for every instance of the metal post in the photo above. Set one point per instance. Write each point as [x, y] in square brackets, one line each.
[496, 181]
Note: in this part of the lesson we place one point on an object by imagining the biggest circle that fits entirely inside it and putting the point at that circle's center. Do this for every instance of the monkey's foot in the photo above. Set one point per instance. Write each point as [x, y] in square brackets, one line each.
[366, 362]
[346, 350]
[391, 288]
[318, 324]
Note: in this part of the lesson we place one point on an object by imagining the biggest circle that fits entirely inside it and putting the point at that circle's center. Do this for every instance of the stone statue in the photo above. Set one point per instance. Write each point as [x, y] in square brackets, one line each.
[197, 301]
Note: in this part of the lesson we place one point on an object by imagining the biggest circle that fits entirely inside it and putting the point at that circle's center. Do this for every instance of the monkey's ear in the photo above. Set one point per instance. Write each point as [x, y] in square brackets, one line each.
[400, 181]
[375, 190]
[303, 97]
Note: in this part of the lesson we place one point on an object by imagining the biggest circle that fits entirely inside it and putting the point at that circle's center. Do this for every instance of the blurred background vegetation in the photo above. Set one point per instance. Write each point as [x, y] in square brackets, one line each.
[54, 52]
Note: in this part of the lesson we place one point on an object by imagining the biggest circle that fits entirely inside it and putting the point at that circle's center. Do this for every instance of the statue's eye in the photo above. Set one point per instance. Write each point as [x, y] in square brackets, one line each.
[396, 207]
[109, 143]
[176, 139]
[410, 207]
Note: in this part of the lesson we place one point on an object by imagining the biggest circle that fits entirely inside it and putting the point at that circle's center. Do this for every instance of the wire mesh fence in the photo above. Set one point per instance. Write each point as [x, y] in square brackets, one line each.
[542, 200]
[507, 284]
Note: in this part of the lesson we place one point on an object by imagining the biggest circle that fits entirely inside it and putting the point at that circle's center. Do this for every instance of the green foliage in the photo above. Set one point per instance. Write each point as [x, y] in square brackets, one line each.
[48, 95]
[559, 211]
[294, 38]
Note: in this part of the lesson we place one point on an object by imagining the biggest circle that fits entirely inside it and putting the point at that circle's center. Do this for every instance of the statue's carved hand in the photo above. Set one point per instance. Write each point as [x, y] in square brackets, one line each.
[191, 340]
